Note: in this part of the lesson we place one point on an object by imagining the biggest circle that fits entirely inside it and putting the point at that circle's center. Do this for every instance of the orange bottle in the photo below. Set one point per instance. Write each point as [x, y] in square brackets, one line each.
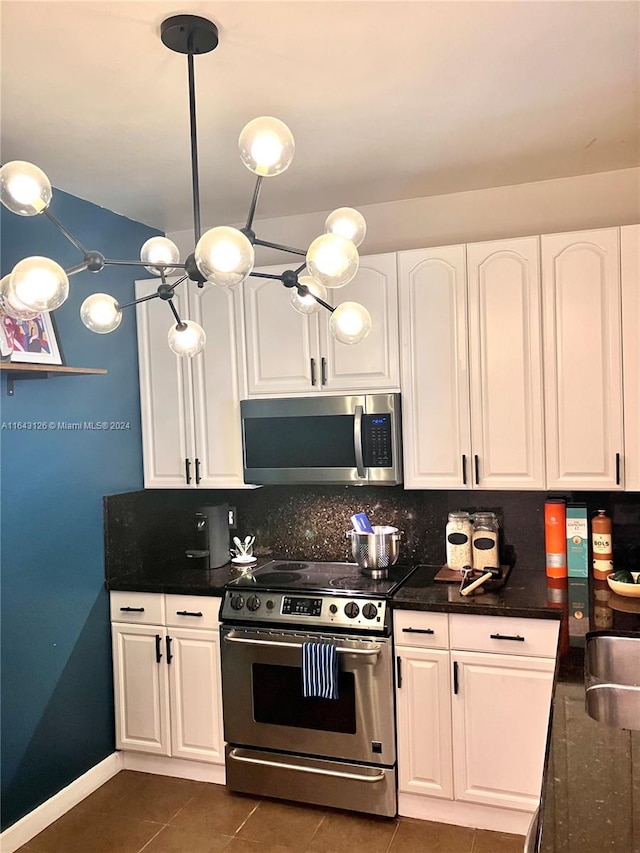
[555, 537]
[601, 542]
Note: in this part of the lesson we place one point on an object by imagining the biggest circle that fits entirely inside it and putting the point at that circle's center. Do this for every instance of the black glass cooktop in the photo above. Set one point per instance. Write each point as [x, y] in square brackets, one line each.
[321, 577]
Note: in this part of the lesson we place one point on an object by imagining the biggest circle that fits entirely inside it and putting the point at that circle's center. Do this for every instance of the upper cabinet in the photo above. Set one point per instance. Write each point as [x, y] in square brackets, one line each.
[190, 406]
[290, 353]
[630, 257]
[583, 360]
[472, 366]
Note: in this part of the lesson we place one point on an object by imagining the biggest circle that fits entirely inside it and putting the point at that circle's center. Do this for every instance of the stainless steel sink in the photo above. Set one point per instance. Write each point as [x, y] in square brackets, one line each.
[612, 679]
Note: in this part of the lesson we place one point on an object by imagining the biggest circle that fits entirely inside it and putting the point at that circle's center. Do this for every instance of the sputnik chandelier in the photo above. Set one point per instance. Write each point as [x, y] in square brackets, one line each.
[223, 256]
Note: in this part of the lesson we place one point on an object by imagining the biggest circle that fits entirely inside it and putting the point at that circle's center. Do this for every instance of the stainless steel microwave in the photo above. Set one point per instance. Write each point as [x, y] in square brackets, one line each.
[354, 439]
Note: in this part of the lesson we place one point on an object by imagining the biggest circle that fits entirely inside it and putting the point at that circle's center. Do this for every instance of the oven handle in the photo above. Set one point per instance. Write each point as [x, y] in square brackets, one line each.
[357, 440]
[353, 777]
[229, 638]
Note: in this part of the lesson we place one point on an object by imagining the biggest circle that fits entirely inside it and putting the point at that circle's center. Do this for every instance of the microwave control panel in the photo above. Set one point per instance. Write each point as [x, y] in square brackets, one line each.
[377, 441]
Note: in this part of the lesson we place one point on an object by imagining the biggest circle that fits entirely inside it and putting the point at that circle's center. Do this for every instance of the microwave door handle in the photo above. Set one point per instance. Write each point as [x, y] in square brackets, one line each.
[357, 440]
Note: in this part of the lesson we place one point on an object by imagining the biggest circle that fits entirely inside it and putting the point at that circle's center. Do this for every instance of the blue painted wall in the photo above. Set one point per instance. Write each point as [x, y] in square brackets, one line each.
[56, 684]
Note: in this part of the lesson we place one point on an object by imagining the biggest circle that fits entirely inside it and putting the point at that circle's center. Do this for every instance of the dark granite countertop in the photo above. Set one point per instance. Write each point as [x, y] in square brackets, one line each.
[173, 577]
[525, 594]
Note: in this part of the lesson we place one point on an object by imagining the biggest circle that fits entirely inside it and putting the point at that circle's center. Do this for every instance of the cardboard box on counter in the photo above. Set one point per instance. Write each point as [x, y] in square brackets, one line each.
[577, 541]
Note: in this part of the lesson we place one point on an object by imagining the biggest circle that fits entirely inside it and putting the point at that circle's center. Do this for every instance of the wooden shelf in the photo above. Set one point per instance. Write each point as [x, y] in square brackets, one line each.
[20, 370]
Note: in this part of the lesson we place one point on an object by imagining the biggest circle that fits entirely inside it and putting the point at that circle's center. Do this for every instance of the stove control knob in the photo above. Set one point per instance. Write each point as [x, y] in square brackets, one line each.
[253, 602]
[270, 604]
[333, 608]
[369, 611]
[351, 609]
[237, 602]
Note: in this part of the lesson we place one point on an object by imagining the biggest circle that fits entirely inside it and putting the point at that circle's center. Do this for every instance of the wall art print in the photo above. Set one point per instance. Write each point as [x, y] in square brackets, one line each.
[29, 341]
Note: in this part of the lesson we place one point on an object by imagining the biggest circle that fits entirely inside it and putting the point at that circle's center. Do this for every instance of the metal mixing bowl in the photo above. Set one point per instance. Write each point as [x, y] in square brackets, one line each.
[375, 552]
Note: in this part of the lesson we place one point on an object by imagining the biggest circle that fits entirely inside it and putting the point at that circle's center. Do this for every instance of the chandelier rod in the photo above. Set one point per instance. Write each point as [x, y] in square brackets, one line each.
[254, 203]
[195, 179]
[279, 246]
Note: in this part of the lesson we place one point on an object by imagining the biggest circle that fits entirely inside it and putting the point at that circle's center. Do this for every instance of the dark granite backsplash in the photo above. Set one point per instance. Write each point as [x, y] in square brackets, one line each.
[309, 522]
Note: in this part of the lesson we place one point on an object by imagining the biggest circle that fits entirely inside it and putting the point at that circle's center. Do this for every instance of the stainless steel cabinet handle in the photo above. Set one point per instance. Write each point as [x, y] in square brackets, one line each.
[355, 777]
[357, 440]
[229, 638]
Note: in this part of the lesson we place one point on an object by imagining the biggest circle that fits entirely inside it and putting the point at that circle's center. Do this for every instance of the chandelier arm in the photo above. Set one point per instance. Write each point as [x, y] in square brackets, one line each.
[300, 268]
[137, 301]
[265, 275]
[77, 268]
[269, 245]
[64, 231]
[254, 203]
[304, 291]
[181, 325]
[179, 281]
[195, 181]
[118, 262]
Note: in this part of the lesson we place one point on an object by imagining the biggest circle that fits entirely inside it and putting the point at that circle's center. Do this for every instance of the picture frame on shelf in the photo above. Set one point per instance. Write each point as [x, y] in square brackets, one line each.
[30, 341]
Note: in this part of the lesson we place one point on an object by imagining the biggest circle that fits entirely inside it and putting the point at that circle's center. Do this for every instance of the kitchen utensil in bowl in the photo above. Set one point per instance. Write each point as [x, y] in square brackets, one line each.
[375, 552]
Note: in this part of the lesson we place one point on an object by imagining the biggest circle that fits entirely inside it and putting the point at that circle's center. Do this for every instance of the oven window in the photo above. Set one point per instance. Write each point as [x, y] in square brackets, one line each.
[300, 442]
[278, 700]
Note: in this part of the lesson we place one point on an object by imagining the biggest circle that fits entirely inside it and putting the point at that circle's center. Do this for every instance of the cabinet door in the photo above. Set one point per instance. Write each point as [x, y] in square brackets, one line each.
[630, 257]
[583, 359]
[505, 349]
[435, 377]
[141, 689]
[282, 345]
[374, 362]
[500, 720]
[196, 695]
[216, 382]
[165, 393]
[423, 704]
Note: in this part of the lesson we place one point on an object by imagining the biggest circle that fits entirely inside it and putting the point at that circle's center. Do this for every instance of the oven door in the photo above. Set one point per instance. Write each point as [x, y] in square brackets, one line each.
[264, 705]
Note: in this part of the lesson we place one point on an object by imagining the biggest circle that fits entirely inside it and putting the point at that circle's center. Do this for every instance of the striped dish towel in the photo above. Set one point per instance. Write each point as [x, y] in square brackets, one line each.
[320, 670]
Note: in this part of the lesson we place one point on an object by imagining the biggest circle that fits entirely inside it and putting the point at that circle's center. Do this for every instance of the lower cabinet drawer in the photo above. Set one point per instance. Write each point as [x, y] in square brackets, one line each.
[504, 634]
[421, 629]
[143, 608]
[192, 611]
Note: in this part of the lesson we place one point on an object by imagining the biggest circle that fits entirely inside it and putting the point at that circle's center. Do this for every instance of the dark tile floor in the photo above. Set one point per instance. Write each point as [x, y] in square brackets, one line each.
[136, 812]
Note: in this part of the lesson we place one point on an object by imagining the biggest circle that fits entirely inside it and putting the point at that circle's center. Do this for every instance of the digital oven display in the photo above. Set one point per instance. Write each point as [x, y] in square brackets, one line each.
[301, 606]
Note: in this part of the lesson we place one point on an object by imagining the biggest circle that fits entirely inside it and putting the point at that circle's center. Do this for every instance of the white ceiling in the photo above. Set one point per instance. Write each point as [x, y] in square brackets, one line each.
[386, 100]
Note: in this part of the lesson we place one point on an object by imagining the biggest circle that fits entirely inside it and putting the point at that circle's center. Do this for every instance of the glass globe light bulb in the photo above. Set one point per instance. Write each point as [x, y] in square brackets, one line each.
[187, 341]
[348, 223]
[224, 256]
[332, 260]
[304, 303]
[266, 146]
[159, 250]
[100, 313]
[39, 284]
[11, 306]
[350, 323]
[24, 188]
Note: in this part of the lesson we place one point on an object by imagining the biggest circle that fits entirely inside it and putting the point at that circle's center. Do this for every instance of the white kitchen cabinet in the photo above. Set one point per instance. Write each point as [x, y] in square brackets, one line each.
[190, 406]
[423, 703]
[630, 259]
[292, 353]
[473, 699]
[472, 366]
[500, 713]
[167, 684]
[583, 360]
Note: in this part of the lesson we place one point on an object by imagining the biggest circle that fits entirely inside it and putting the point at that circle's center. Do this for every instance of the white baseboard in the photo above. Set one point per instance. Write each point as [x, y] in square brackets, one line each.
[40, 818]
[177, 767]
[464, 814]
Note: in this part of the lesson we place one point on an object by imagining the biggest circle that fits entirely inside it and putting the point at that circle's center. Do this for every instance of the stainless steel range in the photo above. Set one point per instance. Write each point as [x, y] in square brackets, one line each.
[280, 743]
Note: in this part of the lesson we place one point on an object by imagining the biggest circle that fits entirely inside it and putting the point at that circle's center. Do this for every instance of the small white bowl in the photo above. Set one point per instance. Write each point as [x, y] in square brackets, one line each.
[630, 590]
